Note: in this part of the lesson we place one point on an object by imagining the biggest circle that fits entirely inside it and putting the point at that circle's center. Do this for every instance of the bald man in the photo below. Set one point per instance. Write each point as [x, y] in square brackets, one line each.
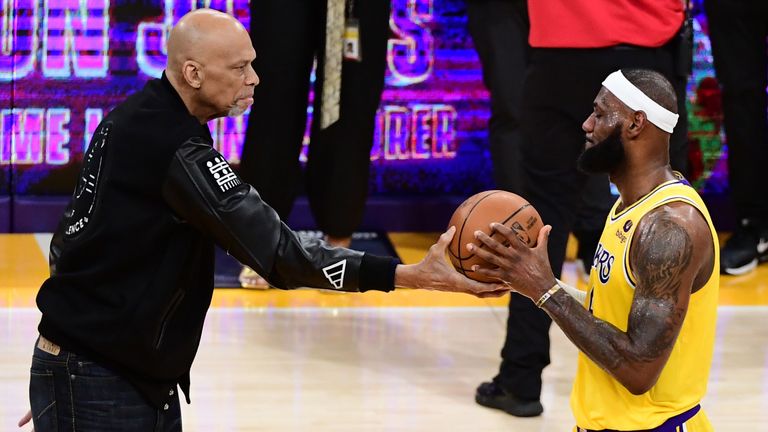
[132, 260]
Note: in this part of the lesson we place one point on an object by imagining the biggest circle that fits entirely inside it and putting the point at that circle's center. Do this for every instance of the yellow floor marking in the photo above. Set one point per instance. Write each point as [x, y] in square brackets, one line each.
[23, 269]
[315, 298]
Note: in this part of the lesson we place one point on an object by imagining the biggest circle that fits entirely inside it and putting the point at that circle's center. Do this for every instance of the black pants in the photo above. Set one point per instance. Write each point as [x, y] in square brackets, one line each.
[287, 35]
[499, 30]
[559, 89]
[738, 31]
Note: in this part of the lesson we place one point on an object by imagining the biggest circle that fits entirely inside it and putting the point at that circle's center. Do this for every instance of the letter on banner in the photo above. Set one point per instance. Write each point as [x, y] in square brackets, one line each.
[410, 55]
[396, 127]
[57, 136]
[444, 138]
[18, 39]
[75, 36]
[93, 117]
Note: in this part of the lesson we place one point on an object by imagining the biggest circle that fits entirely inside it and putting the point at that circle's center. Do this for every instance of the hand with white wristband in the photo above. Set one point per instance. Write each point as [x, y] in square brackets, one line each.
[525, 269]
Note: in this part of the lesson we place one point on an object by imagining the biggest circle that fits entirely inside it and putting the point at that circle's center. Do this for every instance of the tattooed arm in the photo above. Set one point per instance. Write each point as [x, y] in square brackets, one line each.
[671, 255]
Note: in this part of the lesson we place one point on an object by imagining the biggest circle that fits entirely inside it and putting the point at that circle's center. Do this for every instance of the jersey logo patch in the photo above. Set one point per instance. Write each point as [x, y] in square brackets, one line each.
[603, 262]
[335, 273]
[628, 226]
[221, 175]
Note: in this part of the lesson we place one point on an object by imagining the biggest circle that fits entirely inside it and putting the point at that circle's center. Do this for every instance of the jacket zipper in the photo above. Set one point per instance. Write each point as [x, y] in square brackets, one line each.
[175, 301]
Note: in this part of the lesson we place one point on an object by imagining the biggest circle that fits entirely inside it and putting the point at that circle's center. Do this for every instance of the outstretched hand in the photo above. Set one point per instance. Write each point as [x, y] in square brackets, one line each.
[524, 269]
[435, 273]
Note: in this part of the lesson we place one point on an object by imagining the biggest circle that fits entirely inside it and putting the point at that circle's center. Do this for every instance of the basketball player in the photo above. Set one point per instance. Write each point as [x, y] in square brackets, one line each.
[132, 260]
[646, 327]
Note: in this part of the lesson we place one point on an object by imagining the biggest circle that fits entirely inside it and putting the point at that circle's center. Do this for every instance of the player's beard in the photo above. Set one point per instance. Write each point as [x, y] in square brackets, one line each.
[605, 156]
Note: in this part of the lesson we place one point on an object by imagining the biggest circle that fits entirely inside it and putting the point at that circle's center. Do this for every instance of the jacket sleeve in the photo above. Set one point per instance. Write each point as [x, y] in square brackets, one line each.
[201, 188]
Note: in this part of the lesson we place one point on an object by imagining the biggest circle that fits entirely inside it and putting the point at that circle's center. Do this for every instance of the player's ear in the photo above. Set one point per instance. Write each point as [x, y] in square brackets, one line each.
[637, 122]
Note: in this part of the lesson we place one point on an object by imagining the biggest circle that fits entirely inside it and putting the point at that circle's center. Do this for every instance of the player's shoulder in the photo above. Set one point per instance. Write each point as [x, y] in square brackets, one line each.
[673, 228]
[680, 214]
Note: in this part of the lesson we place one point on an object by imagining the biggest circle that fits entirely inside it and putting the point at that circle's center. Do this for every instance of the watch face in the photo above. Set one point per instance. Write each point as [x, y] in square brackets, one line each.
[84, 200]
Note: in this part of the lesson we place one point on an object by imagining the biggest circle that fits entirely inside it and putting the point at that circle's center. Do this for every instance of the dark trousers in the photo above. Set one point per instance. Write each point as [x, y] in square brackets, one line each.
[287, 35]
[559, 89]
[68, 392]
[499, 30]
[738, 31]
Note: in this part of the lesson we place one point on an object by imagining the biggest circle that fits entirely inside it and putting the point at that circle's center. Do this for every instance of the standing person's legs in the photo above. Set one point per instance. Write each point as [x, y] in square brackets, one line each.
[738, 32]
[499, 30]
[678, 54]
[339, 156]
[597, 201]
[678, 142]
[69, 392]
[284, 34]
[552, 141]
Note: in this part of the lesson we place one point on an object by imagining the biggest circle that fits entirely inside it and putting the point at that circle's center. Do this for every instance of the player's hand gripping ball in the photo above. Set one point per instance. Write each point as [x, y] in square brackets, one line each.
[477, 213]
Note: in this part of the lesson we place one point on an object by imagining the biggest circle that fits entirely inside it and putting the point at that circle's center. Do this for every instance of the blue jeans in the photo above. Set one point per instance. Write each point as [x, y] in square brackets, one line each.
[70, 393]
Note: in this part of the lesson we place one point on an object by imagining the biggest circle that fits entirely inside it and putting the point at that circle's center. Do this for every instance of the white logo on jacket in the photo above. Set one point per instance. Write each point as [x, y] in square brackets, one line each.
[335, 273]
[222, 174]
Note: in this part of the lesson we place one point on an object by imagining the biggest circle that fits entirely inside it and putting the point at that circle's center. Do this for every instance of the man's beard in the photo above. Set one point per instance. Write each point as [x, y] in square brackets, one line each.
[236, 111]
[603, 157]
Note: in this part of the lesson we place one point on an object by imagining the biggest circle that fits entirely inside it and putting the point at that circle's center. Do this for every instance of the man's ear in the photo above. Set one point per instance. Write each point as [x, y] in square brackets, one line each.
[638, 122]
[193, 73]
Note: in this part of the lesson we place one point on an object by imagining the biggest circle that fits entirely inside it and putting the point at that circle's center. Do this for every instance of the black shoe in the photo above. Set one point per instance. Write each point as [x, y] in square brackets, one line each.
[490, 395]
[747, 247]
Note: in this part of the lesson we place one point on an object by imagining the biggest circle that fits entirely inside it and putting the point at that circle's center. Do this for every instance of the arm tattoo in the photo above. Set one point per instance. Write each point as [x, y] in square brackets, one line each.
[591, 335]
[661, 255]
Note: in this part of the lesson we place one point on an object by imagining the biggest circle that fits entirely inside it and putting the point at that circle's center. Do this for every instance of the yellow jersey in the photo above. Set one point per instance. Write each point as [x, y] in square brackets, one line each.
[598, 400]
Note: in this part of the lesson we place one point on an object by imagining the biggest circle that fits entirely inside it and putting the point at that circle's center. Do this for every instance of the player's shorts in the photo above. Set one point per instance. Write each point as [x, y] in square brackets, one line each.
[693, 420]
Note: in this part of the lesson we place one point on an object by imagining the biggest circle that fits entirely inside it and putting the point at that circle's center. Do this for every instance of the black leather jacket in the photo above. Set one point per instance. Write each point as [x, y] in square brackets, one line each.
[132, 260]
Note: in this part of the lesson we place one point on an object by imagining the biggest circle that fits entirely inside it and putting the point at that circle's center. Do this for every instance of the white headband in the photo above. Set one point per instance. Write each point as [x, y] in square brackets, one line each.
[634, 98]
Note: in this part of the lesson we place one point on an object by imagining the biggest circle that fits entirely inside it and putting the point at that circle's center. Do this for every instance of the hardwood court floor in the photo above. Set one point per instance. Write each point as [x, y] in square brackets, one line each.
[404, 361]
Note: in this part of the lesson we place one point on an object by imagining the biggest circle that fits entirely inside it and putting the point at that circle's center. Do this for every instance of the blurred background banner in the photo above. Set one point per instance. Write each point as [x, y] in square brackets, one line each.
[65, 63]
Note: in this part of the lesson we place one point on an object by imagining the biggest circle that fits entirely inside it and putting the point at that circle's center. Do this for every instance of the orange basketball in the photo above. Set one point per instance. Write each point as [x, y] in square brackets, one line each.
[477, 213]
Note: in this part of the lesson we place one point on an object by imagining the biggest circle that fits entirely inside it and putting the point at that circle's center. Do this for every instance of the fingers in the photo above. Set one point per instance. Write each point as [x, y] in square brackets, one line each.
[493, 251]
[488, 241]
[494, 293]
[489, 273]
[543, 237]
[447, 236]
[510, 234]
[471, 286]
[442, 243]
[24, 420]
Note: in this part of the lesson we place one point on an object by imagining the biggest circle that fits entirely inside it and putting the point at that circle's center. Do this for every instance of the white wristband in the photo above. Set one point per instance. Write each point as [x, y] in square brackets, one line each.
[574, 292]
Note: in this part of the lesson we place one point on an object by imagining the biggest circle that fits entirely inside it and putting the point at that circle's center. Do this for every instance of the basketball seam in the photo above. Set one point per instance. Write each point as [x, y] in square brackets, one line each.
[463, 224]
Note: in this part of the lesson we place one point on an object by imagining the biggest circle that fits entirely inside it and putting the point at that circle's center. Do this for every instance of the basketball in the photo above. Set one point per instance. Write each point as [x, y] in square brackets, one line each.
[477, 213]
